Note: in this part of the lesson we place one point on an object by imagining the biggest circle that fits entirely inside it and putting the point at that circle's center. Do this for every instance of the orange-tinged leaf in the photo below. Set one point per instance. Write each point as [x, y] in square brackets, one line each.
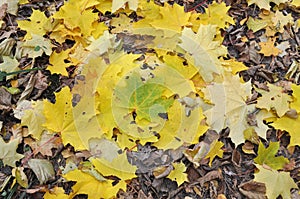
[268, 48]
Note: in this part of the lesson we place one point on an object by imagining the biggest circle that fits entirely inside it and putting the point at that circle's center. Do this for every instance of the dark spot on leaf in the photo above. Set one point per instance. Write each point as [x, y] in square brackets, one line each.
[178, 139]
[119, 151]
[163, 116]
[83, 113]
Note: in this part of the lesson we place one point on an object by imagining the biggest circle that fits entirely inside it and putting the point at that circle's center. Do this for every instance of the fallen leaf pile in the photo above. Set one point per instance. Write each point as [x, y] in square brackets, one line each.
[149, 99]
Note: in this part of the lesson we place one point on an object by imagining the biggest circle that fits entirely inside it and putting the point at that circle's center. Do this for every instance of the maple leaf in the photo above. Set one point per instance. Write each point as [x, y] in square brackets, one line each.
[265, 4]
[215, 150]
[204, 50]
[36, 46]
[290, 125]
[43, 169]
[233, 65]
[268, 156]
[55, 193]
[230, 107]
[117, 4]
[268, 48]
[58, 64]
[8, 153]
[277, 183]
[274, 98]
[143, 98]
[74, 127]
[87, 184]
[177, 174]
[79, 17]
[47, 142]
[36, 24]
[9, 65]
[256, 24]
[216, 14]
[173, 18]
[280, 20]
[33, 118]
[295, 104]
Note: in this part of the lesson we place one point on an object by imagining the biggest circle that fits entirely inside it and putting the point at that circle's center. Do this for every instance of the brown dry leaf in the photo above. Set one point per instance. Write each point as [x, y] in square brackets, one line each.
[47, 142]
[253, 190]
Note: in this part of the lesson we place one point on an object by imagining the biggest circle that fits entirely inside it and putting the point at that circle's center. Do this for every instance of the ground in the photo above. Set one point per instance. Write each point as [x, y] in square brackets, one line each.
[238, 66]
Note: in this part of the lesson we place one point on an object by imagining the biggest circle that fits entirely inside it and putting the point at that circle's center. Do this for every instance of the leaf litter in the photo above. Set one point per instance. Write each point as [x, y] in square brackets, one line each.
[117, 99]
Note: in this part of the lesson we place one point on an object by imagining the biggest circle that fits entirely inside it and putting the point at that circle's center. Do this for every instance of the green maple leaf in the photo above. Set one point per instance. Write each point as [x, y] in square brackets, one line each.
[144, 98]
[267, 156]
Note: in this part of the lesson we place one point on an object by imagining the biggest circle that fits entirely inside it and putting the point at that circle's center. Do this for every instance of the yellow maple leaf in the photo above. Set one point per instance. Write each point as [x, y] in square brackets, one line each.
[177, 174]
[117, 4]
[58, 64]
[295, 104]
[76, 16]
[74, 126]
[215, 150]
[256, 24]
[56, 193]
[33, 118]
[291, 126]
[233, 65]
[280, 20]
[265, 4]
[36, 46]
[173, 19]
[277, 183]
[119, 166]
[203, 50]
[36, 24]
[230, 107]
[216, 14]
[87, 184]
[268, 48]
[275, 98]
